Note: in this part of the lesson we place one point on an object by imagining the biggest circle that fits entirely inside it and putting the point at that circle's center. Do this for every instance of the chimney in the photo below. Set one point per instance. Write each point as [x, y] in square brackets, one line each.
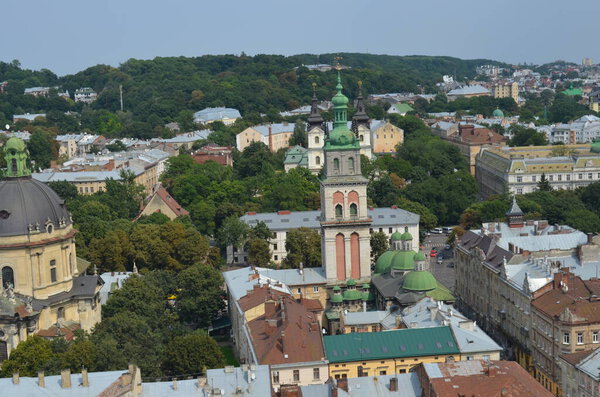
[201, 382]
[126, 379]
[85, 381]
[283, 342]
[174, 383]
[65, 378]
[270, 309]
[343, 384]
[15, 378]
[492, 370]
[41, 380]
[398, 321]
[270, 138]
[394, 384]
[590, 237]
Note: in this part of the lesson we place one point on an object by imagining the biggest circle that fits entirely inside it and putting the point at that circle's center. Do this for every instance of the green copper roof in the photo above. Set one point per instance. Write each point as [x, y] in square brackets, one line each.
[352, 295]
[498, 113]
[419, 281]
[366, 286]
[340, 138]
[404, 260]
[368, 296]
[409, 342]
[396, 236]
[336, 298]
[406, 236]
[572, 91]
[296, 155]
[403, 108]
[337, 288]
[384, 262]
[441, 293]
[351, 282]
[15, 153]
[420, 257]
[595, 147]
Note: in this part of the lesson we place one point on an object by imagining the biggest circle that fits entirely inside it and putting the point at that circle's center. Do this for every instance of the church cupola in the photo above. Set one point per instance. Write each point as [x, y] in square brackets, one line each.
[315, 119]
[514, 216]
[406, 239]
[16, 158]
[360, 117]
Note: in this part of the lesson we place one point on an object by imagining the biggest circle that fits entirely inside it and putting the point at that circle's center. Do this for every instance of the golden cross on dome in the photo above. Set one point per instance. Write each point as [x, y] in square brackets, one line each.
[338, 65]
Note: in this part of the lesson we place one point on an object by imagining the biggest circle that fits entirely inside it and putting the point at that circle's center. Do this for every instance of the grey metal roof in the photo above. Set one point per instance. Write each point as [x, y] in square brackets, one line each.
[28, 386]
[469, 90]
[359, 318]
[371, 386]
[74, 177]
[382, 217]
[111, 280]
[590, 365]
[29, 202]
[310, 275]
[239, 282]
[216, 114]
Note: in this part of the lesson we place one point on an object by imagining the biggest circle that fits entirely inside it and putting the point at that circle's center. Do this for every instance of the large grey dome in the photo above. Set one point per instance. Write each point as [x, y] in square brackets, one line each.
[28, 206]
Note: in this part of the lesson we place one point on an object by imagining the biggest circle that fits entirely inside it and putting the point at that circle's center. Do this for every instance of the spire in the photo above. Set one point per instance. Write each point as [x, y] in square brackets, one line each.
[514, 216]
[360, 117]
[514, 208]
[314, 119]
[340, 105]
[15, 154]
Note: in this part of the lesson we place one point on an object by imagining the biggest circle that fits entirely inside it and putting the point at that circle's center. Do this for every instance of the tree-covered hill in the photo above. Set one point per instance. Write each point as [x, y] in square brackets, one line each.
[156, 91]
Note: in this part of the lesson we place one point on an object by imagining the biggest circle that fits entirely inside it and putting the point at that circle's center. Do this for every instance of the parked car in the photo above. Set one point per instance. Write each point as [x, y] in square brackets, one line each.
[448, 247]
[437, 230]
[446, 229]
[450, 264]
[439, 259]
[433, 253]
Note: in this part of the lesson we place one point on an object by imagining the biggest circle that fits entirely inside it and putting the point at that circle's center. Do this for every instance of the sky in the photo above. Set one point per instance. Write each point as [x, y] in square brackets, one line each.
[67, 36]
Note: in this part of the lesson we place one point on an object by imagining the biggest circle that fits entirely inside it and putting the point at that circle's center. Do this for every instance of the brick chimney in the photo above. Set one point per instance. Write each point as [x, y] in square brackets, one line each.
[343, 384]
[65, 378]
[41, 379]
[270, 138]
[85, 381]
[15, 378]
[394, 384]
[563, 275]
[492, 369]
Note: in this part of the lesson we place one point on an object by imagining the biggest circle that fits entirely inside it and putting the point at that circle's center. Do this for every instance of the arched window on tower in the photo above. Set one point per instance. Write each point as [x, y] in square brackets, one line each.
[351, 164]
[317, 139]
[318, 160]
[60, 313]
[362, 138]
[8, 277]
[336, 164]
[338, 211]
[353, 210]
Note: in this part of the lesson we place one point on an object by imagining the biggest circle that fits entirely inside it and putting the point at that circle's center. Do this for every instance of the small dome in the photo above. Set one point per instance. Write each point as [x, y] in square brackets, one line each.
[419, 281]
[336, 298]
[352, 295]
[341, 137]
[384, 262]
[403, 260]
[406, 236]
[498, 113]
[337, 288]
[595, 147]
[339, 99]
[366, 286]
[396, 236]
[351, 282]
[15, 144]
[420, 257]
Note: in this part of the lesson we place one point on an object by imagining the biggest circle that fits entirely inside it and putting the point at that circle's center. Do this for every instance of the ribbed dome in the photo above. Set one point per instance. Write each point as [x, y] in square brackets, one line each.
[419, 281]
[26, 205]
[420, 257]
[406, 236]
[498, 113]
[396, 236]
[404, 260]
[336, 298]
[384, 262]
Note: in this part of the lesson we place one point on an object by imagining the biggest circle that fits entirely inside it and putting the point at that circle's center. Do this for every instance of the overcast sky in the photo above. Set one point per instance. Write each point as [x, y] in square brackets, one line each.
[67, 36]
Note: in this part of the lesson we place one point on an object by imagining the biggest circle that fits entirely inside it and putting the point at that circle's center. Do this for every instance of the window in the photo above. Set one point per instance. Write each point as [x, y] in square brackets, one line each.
[351, 164]
[276, 257]
[53, 275]
[80, 189]
[91, 190]
[336, 164]
[275, 376]
[469, 358]
[353, 210]
[486, 357]
[580, 338]
[519, 179]
[315, 289]
[352, 329]
[551, 177]
[86, 189]
[362, 138]
[559, 177]
[316, 374]
[338, 211]
[390, 230]
[318, 160]
[580, 176]
[402, 371]
[566, 338]
[382, 372]
[534, 178]
[568, 177]
[590, 176]
[60, 315]
[519, 191]
[299, 290]
[8, 277]
[235, 258]
[595, 337]
[275, 247]
[296, 375]
[316, 139]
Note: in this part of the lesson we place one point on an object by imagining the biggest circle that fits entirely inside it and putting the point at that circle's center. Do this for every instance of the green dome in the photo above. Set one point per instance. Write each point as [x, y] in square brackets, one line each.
[368, 296]
[337, 288]
[351, 282]
[352, 295]
[420, 257]
[336, 298]
[419, 281]
[406, 236]
[341, 136]
[15, 144]
[384, 262]
[366, 286]
[403, 260]
[498, 113]
[396, 236]
[595, 147]
[339, 99]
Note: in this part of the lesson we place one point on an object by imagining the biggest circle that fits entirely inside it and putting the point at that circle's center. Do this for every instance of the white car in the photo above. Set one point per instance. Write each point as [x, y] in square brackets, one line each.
[437, 230]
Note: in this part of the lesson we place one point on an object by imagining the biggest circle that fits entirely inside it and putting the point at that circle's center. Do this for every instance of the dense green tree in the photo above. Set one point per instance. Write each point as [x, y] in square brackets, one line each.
[583, 220]
[427, 220]
[200, 294]
[66, 190]
[259, 252]
[303, 245]
[191, 354]
[42, 148]
[590, 196]
[523, 136]
[544, 184]
[379, 244]
[31, 356]
[233, 232]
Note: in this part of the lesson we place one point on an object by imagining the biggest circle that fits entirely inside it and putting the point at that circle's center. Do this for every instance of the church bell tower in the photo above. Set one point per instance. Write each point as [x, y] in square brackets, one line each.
[345, 221]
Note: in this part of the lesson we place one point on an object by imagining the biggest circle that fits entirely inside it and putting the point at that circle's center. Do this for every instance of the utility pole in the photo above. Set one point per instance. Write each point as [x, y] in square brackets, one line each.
[121, 95]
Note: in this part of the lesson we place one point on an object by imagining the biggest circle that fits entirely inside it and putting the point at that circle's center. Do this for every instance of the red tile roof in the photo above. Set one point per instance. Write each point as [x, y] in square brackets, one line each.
[287, 333]
[482, 379]
[577, 357]
[170, 202]
[66, 330]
